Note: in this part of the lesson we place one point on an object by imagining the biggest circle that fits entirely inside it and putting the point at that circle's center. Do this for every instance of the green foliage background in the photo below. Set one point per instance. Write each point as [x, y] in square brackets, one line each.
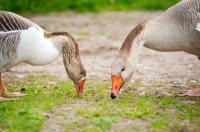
[36, 6]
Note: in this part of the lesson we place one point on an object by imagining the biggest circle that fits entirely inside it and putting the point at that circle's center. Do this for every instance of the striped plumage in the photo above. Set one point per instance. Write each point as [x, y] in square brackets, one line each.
[22, 41]
[10, 22]
[177, 29]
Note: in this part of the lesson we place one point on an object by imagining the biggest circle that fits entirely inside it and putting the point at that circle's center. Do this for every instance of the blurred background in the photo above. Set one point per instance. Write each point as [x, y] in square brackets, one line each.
[45, 6]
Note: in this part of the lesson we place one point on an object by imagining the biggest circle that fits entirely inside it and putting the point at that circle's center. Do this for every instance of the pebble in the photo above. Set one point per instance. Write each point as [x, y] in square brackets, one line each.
[193, 81]
[19, 76]
[52, 82]
[185, 122]
[23, 89]
[188, 102]
[104, 79]
[142, 94]
[190, 65]
[46, 115]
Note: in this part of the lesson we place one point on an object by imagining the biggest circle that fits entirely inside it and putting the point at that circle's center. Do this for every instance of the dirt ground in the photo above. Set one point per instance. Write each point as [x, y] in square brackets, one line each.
[99, 36]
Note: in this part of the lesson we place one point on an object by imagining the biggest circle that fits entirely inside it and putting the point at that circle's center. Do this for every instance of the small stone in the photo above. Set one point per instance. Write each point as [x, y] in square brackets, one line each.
[23, 89]
[19, 76]
[185, 122]
[190, 65]
[46, 115]
[189, 102]
[142, 94]
[52, 82]
[104, 79]
[193, 81]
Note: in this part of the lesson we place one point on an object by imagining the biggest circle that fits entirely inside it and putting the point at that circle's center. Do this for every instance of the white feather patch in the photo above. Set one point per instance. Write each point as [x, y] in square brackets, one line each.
[34, 49]
[198, 27]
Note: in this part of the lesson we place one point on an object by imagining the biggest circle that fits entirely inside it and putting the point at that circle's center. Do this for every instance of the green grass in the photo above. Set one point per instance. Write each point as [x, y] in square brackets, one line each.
[38, 6]
[26, 114]
[94, 110]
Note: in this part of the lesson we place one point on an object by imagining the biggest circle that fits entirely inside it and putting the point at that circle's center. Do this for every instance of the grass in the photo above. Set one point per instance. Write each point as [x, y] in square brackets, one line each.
[38, 6]
[94, 110]
[27, 113]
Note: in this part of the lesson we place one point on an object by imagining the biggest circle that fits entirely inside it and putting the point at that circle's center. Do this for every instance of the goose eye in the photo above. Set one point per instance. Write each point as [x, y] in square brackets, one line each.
[82, 73]
[123, 69]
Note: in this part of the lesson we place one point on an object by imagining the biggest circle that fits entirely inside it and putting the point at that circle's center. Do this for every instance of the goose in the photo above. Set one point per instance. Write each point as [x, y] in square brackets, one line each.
[177, 29]
[22, 41]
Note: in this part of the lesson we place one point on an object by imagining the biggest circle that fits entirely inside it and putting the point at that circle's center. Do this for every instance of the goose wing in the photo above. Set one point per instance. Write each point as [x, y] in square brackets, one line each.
[198, 24]
[11, 26]
[8, 45]
[10, 21]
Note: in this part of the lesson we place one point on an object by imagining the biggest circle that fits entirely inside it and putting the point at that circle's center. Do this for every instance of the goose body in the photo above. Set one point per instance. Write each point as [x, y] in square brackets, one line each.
[22, 41]
[33, 49]
[177, 29]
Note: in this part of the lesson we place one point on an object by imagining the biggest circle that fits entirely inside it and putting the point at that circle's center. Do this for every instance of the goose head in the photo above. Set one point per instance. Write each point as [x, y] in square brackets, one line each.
[76, 72]
[125, 62]
[73, 63]
[121, 73]
[71, 59]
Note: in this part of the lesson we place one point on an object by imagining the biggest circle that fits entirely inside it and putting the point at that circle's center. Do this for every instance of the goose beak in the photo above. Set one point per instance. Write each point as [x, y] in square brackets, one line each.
[80, 85]
[116, 85]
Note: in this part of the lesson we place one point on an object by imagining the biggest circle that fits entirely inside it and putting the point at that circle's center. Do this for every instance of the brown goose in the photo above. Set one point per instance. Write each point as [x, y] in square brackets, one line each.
[175, 30]
[22, 41]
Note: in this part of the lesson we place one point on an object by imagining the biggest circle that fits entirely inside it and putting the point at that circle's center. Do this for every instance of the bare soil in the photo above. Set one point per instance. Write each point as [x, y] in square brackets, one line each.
[99, 35]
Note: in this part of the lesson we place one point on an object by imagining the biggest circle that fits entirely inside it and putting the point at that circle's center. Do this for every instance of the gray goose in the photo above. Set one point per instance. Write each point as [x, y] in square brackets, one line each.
[177, 29]
[22, 41]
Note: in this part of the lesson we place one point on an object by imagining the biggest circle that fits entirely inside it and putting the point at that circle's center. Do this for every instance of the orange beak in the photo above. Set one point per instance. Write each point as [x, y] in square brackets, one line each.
[80, 85]
[116, 85]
